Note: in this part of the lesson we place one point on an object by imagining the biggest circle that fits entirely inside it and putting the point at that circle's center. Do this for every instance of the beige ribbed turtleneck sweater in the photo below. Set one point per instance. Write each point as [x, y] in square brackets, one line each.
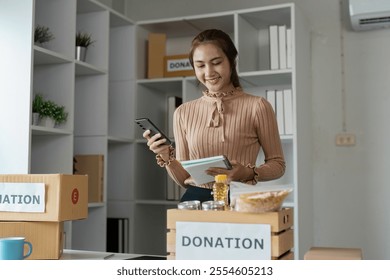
[237, 125]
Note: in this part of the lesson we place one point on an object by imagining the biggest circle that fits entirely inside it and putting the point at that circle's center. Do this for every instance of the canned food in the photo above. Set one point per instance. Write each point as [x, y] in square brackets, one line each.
[189, 205]
[213, 205]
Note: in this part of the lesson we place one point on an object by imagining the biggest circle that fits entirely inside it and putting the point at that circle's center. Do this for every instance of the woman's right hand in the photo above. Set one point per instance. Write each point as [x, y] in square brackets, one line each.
[157, 144]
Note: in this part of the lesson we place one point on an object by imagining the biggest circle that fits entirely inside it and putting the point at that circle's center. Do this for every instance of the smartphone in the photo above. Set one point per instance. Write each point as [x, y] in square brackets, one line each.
[147, 124]
[227, 162]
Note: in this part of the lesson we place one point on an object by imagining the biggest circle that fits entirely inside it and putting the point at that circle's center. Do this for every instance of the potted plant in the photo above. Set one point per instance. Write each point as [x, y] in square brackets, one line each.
[36, 107]
[60, 116]
[83, 41]
[46, 113]
[42, 35]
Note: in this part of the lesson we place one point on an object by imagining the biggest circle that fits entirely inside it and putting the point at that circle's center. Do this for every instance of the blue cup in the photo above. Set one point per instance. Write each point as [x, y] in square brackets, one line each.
[12, 248]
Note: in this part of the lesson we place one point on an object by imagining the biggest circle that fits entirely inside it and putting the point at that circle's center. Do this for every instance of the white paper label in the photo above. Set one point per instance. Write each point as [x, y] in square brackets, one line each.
[174, 65]
[22, 197]
[222, 241]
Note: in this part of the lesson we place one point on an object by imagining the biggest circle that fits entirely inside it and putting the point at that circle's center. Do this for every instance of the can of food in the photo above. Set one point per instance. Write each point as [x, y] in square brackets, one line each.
[189, 205]
[213, 205]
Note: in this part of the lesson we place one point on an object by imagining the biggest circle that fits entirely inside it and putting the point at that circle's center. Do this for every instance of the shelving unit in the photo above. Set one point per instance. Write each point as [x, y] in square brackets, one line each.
[107, 92]
[97, 94]
[250, 30]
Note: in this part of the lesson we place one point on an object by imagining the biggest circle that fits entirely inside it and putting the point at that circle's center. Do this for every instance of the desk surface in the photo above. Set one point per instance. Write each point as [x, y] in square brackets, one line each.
[92, 255]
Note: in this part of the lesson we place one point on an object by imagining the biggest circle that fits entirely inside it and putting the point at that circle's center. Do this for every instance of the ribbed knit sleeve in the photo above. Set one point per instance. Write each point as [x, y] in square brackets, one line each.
[237, 126]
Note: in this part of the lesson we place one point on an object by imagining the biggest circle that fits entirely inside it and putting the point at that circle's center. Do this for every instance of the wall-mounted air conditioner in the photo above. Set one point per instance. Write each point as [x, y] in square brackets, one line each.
[369, 14]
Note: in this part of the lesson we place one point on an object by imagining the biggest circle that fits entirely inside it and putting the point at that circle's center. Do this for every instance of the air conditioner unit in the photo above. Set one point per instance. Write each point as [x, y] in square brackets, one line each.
[369, 14]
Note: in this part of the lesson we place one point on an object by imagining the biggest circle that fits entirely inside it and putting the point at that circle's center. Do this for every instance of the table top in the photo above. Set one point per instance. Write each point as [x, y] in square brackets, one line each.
[93, 255]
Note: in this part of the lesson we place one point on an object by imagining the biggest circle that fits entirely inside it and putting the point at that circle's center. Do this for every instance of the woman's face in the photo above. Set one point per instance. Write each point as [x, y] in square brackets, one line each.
[212, 68]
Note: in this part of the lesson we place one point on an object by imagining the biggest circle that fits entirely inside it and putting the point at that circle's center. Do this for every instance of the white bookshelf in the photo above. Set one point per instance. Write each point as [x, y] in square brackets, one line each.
[249, 29]
[97, 95]
[107, 92]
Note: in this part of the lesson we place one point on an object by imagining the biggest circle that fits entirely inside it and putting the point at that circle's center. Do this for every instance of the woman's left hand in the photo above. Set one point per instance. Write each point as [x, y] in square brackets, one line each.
[238, 172]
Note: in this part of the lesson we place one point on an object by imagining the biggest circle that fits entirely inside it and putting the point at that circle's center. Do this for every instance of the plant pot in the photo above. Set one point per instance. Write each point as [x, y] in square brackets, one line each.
[81, 53]
[47, 122]
[44, 45]
[35, 119]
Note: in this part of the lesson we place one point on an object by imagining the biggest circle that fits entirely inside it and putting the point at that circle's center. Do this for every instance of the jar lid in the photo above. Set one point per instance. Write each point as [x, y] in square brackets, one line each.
[189, 205]
[213, 205]
[221, 178]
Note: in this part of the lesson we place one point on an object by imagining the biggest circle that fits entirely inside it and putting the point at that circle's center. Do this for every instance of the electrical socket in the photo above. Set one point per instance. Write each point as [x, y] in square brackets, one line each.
[345, 139]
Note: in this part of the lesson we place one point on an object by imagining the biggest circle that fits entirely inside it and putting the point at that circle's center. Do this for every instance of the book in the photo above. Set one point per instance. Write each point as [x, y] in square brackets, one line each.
[270, 96]
[282, 47]
[196, 168]
[280, 111]
[173, 190]
[289, 47]
[173, 103]
[274, 47]
[288, 111]
[170, 189]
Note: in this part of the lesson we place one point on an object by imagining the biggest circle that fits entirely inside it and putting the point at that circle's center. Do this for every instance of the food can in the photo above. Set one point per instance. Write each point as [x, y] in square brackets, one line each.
[213, 205]
[189, 205]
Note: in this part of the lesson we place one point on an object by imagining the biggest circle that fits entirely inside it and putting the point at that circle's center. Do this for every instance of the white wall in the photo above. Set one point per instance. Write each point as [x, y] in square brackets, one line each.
[16, 20]
[350, 184]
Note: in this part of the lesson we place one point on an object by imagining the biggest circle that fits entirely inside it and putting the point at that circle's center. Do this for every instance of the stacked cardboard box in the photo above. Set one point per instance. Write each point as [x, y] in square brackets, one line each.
[161, 65]
[93, 166]
[331, 253]
[35, 206]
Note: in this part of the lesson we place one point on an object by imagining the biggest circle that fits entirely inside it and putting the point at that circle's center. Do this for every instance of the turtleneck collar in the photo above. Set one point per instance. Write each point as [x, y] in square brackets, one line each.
[221, 94]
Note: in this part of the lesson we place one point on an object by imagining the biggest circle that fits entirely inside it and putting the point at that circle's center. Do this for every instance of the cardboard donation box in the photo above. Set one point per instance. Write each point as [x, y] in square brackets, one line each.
[46, 237]
[329, 253]
[43, 197]
[177, 66]
[93, 166]
[156, 54]
[200, 234]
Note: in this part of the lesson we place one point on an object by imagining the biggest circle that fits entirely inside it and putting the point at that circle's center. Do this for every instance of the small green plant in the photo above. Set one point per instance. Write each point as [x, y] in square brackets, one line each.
[42, 34]
[37, 102]
[47, 109]
[84, 39]
[50, 109]
[60, 115]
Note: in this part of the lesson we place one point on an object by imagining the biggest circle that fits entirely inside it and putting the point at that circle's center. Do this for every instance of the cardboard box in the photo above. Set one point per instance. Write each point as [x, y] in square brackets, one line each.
[156, 54]
[282, 237]
[93, 166]
[66, 197]
[178, 66]
[323, 253]
[47, 238]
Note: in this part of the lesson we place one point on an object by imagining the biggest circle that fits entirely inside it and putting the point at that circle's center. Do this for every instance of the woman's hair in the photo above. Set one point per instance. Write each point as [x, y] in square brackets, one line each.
[224, 42]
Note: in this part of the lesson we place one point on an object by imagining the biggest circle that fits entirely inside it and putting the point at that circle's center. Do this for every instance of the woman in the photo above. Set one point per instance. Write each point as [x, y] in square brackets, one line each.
[224, 121]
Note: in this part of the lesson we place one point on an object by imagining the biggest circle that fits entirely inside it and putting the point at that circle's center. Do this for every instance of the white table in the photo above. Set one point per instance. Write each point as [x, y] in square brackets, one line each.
[92, 255]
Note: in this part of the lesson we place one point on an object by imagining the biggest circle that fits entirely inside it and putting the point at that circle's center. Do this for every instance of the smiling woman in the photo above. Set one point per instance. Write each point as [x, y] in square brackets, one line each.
[225, 120]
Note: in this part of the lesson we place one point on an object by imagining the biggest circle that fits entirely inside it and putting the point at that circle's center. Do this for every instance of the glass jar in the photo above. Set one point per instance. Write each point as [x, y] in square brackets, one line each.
[189, 205]
[213, 205]
[221, 189]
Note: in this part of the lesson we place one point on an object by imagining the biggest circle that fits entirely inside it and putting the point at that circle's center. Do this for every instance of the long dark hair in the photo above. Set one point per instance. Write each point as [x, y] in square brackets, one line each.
[224, 42]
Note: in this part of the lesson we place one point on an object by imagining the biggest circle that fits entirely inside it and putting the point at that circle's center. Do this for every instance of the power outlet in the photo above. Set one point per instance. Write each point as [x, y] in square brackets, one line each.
[345, 139]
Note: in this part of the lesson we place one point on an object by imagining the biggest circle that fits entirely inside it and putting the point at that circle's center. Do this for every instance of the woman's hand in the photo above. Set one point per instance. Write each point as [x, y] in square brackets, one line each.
[157, 144]
[238, 172]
